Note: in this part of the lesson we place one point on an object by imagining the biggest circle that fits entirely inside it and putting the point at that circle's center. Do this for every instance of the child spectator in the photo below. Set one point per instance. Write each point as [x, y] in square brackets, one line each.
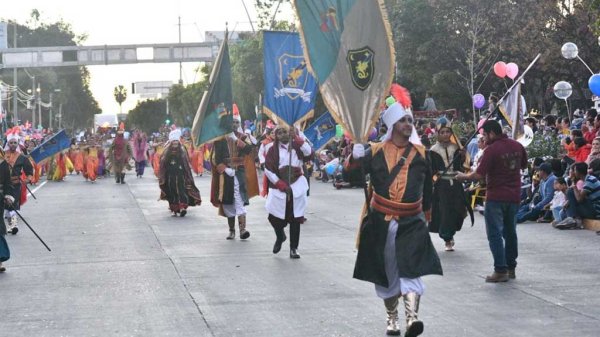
[559, 200]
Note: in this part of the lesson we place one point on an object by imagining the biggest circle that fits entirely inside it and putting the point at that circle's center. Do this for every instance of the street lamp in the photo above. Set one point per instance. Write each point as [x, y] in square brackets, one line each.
[51, 106]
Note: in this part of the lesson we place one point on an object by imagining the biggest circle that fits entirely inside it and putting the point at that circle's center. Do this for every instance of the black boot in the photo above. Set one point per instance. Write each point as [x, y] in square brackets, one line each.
[122, 178]
[294, 240]
[280, 239]
[118, 177]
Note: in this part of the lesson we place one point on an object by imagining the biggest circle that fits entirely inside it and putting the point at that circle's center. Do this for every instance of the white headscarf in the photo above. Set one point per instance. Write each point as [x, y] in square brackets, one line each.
[175, 135]
[395, 113]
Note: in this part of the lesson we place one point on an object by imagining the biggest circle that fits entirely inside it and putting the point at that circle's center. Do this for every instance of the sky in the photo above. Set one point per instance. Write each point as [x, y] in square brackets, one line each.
[114, 22]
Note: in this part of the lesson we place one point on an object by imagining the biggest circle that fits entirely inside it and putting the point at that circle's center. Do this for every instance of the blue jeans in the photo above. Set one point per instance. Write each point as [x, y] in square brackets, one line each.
[501, 228]
[583, 210]
[556, 213]
[525, 213]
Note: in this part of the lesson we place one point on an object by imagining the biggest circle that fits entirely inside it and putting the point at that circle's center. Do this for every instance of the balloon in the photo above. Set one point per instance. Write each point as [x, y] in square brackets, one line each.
[500, 69]
[480, 124]
[512, 70]
[594, 84]
[373, 134]
[332, 166]
[563, 90]
[527, 137]
[339, 131]
[390, 100]
[478, 101]
[569, 50]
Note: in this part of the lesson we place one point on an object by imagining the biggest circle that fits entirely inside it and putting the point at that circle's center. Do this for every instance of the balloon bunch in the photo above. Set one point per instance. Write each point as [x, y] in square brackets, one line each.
[510, 70]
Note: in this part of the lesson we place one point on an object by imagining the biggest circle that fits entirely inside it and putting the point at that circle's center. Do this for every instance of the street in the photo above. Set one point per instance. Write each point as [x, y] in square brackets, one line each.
[121, 265]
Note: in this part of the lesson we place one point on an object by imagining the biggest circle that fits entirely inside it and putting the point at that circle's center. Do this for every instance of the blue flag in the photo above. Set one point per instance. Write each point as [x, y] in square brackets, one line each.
[350, 51]
[52, 146]
[290, 90]
[321, 131]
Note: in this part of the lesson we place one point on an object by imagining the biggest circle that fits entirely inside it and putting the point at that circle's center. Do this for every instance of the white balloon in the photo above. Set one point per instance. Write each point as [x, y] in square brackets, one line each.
[563, 90]
[527, 137]
[569, 50]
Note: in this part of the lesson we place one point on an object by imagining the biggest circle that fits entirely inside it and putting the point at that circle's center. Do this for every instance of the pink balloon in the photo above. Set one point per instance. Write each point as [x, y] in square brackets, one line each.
[500, 69]
[512, 70]
[480, 124]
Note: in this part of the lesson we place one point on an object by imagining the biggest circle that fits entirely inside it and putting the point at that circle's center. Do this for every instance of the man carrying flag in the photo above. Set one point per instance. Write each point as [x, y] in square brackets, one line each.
[19, 166]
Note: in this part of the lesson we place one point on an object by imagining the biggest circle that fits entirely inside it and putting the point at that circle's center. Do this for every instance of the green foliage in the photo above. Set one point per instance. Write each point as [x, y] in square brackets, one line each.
[544, 145]
[148, 115]
[247, 72]
[120, 94]
[78, 103]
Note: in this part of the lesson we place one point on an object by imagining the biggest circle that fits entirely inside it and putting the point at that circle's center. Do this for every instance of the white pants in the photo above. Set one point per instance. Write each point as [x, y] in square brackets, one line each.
[237, 208]
[397, 285]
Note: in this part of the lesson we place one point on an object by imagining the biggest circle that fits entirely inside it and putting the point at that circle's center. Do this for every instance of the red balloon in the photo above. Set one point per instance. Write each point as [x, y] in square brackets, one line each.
[500, 69]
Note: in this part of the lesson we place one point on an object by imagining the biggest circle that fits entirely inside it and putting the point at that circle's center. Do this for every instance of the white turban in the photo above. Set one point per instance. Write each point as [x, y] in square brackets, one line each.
[395, 113]
[175, 135]
[12, 136]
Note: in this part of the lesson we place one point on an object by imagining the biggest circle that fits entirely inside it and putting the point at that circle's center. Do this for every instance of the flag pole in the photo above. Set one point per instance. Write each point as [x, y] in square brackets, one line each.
[32, 230]
[496, 108]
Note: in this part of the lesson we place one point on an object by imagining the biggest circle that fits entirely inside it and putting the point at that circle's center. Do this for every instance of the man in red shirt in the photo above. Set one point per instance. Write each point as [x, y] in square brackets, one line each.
[501, 166]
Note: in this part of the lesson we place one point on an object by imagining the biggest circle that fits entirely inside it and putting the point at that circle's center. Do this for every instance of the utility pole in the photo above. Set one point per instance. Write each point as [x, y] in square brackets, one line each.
[15, 102]
[34, 102]
[180, 67]
[50, 120]
[59, 115]
[39, 92]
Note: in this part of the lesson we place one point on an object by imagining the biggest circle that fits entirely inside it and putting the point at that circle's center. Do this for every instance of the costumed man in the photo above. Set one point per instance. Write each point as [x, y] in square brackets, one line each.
[21, 172]
[159, 148]
[234, 178]
[119, 154]
[394, 246]
[266, 141]
[288, 186]
[175, 177]
[6, 195]
[450, 206]
[140, 149]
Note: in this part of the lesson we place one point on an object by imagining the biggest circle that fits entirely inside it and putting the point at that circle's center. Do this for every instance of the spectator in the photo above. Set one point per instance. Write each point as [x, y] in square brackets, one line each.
[593, 125]
[429, 104]
[564, 126]
[534, 210]
[582, 149]
[595, 153]
[584, 202]
[501, 166]
[532, 123]
[559, 200]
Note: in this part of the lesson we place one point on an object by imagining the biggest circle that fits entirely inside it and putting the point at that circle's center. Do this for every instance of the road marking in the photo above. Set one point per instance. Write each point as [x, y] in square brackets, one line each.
[37, 188]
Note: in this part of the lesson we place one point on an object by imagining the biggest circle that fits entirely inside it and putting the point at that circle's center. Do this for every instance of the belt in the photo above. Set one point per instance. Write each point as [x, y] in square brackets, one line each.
[395, 209]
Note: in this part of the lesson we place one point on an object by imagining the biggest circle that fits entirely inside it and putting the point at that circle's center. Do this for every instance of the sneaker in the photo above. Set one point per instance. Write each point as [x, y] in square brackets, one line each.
[568, 223]
[479, 208]
[449, 246]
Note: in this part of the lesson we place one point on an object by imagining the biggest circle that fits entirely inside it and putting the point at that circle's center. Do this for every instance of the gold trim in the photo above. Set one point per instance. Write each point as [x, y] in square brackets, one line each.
[336, 116]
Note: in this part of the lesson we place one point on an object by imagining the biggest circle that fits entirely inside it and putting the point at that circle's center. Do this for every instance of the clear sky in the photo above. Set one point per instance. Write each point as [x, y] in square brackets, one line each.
[135, 22]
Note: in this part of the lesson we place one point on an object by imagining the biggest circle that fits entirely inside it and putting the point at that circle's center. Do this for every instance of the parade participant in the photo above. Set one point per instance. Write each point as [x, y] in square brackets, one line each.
[265, 144]
[140, 149]
[6, 191]
[501, 167]
[91, 163]
[119, 154]
[234, 179]
[449, 203]
[58, 165]
[77, 158]
[159, 148]
[175, 177]
[288, 186]
[19, 166]
[394, 246]
[197, 159]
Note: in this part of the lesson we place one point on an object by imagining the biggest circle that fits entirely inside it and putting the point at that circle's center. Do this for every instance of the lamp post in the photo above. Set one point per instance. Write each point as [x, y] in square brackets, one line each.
[51, 107]
[39, 99]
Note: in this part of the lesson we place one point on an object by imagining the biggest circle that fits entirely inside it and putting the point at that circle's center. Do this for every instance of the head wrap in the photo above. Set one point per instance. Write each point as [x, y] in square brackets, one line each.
[236, 113]
[392, 115]
[175, 135]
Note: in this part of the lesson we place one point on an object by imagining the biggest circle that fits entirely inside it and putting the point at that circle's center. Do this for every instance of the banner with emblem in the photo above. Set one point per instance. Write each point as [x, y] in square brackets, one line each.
[214, 118]
[52, 146]
[349, 49]
[290, 90]
[321, 132]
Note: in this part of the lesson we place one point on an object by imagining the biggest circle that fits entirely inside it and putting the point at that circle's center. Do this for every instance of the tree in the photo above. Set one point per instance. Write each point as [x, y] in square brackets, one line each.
[78, 103]
[148, 115]
[120, 94]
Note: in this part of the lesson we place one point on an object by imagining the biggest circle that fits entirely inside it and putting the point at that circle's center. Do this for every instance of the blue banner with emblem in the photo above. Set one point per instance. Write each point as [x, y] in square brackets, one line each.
[290, 90]
[321, 131]
[52, 146]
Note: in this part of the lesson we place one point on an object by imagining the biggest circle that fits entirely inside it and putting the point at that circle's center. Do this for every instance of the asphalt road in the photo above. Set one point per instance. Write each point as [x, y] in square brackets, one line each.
[122, 266]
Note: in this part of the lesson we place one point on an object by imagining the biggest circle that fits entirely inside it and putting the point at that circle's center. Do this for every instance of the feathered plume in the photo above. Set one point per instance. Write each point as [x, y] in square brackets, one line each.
[401, 95]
